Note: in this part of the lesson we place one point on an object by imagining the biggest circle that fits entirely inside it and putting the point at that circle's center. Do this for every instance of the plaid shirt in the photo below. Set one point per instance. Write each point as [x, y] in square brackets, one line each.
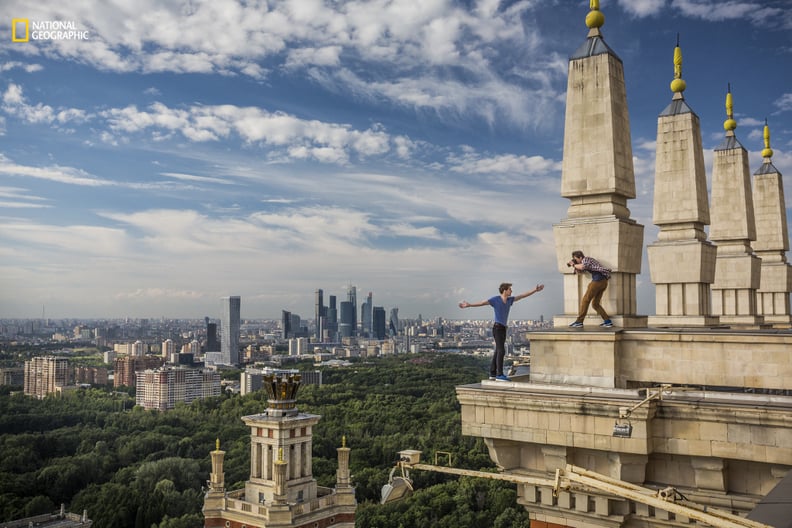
[593, 266]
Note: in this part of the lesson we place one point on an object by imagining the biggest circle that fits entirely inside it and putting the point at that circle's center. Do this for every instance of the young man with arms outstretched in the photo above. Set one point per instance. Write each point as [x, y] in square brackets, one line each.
[501, 304]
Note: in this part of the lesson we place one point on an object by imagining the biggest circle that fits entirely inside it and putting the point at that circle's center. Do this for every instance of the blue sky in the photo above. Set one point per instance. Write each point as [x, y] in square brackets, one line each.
[190, 150]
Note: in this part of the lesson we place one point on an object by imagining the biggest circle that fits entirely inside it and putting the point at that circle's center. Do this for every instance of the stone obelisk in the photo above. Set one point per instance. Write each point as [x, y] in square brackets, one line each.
[597, 177]
[682, 260]
[737, 268]
[772, 241]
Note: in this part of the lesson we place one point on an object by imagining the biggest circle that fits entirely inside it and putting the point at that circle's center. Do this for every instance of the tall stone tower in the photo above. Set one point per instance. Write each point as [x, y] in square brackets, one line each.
[682, 260]
[772, 240]
[597, 177]
[281, 491]
[733, 229]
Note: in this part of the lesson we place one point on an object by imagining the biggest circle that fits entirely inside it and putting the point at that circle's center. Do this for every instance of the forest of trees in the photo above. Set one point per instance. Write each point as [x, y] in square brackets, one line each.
[131, 468]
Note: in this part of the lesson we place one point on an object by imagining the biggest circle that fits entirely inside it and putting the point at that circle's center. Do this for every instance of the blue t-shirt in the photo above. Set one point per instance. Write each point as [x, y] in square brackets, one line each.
[501, 309]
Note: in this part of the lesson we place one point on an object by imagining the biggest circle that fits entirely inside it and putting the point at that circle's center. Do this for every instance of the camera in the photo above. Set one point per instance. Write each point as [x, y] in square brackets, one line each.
[569, 264]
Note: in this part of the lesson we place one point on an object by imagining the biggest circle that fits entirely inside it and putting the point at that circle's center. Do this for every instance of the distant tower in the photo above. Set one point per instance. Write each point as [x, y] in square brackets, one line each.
[737, 269]
[286, 329]
[212, 343]
[320, 316]
[366, 313]
[332, 319]
[346, 323]
[352, 298]
[281, 491]
[229, 331]
[378, 322]
[772, 240]
[393, 325]
[682, 260]
[597, 177]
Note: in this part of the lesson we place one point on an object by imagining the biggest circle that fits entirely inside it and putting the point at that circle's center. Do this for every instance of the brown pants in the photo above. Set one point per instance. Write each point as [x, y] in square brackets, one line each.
[593, 295]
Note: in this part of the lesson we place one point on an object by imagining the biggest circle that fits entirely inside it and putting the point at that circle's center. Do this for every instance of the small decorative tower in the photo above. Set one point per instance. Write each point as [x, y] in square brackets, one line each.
[681, 261]
[737, 269]
[215, 497]
[281, 491]
[772, 241]
[597, 178]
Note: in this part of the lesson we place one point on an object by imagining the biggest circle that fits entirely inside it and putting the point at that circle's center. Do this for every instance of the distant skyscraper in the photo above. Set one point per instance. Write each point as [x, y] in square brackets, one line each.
[229, 331]
[352, 298]
[285, 324]
[394, 321]
[212, 343]
[366, 321]
[378, 322]
[346, 326]
[320, 315]
[332, 319]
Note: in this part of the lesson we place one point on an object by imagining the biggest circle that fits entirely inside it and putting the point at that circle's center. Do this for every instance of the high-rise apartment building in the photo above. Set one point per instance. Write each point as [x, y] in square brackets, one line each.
[229, 331]
[163, 388]
[168, 349]
[44, 375]
[127, 367]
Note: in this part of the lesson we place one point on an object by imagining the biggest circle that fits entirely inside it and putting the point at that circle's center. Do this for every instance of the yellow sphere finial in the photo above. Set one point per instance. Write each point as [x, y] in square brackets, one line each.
[678, 85]
[217, 444]
[767, 153]
[730, 124]
[595, 18]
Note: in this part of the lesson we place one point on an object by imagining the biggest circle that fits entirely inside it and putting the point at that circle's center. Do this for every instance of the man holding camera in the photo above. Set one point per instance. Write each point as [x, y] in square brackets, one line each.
[599, 283]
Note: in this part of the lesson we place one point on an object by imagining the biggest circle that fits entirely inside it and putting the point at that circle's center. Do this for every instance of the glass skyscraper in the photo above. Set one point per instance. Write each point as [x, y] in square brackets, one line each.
[229, 331]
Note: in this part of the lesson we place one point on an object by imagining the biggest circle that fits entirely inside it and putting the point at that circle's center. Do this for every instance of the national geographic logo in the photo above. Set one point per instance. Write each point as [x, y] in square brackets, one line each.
[25, 30]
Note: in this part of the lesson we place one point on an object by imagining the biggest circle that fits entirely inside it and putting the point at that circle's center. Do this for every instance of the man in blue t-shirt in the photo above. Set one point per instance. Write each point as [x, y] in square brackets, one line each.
[501, 304]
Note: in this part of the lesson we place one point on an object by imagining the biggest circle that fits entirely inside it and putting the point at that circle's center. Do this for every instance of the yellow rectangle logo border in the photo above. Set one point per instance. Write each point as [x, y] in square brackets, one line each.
[14, 22]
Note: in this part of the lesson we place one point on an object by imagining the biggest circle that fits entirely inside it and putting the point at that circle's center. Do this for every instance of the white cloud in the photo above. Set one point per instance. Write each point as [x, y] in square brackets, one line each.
[14, 103]
[716, 11]
[784, 103]
[642, 8]
[29, 68]
[56, 173]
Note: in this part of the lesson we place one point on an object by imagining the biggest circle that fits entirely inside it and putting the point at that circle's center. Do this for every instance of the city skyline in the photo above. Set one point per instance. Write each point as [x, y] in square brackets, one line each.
[183, 153]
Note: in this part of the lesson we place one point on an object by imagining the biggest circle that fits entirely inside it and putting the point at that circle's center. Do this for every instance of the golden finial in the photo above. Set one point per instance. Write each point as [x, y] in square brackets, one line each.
[595, 18]
[678, 85]
[730, 124]
[767, 153]
[217, 444]
[343, 438]
[280, 454]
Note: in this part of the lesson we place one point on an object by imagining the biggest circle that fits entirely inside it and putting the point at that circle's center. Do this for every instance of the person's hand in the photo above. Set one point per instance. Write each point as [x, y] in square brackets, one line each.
[464, 304]
[539, 287]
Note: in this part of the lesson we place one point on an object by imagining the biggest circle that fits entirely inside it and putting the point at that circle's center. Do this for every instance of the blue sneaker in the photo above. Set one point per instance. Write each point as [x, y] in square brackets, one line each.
[502, 378]
[576, 324]
[606, 324]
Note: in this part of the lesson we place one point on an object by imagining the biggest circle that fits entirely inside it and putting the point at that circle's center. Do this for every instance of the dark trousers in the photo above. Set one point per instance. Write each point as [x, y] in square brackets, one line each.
[499, 334]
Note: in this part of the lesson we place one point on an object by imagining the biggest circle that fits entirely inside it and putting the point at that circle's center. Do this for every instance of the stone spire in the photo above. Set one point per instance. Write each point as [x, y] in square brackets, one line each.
[681, 261]
[772, 240]
[214, 499]
[737, 269]
[597, 178]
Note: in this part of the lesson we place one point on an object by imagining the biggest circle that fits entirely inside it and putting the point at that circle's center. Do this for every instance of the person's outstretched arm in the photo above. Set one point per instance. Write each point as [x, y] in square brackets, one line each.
[539, 287]
[465, 304]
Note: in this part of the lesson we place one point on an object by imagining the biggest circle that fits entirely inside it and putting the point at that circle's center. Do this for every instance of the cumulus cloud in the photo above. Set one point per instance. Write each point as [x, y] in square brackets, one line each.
[15, 103]
[784, 103]
[300, 138]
